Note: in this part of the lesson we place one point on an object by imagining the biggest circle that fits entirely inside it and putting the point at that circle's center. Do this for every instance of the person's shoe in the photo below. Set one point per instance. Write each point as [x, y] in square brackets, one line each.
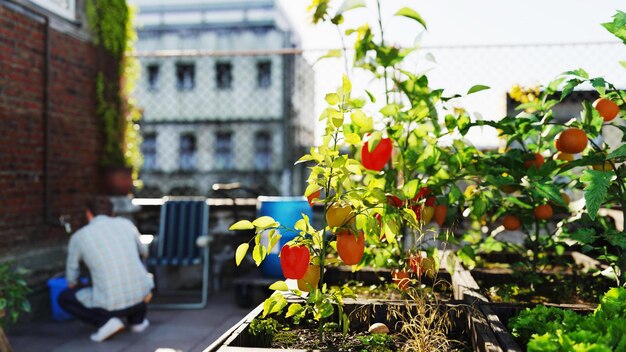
[140, 327]
[110, 328]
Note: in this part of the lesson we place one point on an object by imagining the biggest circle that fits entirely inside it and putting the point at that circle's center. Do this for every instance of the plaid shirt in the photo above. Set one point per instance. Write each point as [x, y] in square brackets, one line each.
[110, 248]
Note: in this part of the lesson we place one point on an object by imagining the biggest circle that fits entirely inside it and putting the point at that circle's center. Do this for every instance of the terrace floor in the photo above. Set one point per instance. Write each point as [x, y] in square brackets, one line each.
[169, 331]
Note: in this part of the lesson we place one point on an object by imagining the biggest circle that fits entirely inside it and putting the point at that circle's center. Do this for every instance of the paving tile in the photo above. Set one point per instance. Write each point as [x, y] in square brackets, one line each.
[169, 331]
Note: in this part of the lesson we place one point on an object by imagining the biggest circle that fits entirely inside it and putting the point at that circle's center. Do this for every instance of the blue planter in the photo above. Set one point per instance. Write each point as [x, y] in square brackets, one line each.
[287, 211]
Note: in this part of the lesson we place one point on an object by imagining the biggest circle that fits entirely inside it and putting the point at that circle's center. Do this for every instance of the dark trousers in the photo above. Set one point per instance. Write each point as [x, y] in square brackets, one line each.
[98, 316]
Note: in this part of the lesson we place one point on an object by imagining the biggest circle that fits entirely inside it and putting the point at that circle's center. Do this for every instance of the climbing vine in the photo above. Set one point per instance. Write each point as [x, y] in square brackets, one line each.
[111, 22]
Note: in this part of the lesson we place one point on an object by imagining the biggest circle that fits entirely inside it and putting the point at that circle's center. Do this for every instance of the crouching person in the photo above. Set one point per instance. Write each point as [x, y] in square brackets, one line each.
[120, 285]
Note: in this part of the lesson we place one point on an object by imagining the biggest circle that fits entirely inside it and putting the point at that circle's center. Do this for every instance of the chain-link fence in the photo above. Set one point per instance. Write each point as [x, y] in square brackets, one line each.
[222, 117]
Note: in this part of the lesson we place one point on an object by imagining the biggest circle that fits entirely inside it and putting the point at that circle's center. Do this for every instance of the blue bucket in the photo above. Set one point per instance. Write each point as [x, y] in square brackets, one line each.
[287, 211]
[57, 285]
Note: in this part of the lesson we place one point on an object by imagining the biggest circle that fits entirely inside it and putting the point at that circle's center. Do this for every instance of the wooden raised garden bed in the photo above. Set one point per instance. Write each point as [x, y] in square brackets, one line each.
[469, 327]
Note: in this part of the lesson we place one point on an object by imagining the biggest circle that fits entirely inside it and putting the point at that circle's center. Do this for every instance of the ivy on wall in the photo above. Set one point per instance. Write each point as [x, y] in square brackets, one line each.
[111, 22]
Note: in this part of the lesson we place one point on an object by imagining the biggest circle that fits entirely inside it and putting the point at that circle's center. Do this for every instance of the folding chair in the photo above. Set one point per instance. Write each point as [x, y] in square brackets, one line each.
[183, 241]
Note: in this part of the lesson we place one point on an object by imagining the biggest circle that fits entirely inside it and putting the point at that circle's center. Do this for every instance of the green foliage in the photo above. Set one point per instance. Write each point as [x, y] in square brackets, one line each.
[13, 291]
[596, 190]
[555, 329]
[618, 26]
[111, 22]
[263, 331]
[377, 343]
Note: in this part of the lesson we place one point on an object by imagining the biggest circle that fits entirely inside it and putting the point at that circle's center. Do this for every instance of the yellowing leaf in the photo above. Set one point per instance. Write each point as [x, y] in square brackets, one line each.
[241, 252]
[346, 86]
[241, 225]
[258, 254]
[279, 286]
[264, 222]
[332, 98]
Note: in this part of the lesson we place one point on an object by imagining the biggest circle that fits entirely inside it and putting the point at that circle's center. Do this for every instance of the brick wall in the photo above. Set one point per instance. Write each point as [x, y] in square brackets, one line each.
[75, 141]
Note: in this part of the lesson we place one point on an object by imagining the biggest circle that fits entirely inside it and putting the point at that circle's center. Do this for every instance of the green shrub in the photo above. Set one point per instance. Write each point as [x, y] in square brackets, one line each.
[263, 331]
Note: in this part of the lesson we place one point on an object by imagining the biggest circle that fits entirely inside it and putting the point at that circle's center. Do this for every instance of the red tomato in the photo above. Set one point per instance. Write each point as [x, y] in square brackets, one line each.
[423, 192]
[350, 247]
[294, 261]
[377, 158]
[401, 278]
[430, 201]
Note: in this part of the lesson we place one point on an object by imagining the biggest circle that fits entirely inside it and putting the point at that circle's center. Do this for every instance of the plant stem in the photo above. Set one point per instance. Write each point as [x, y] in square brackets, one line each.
[382, 44]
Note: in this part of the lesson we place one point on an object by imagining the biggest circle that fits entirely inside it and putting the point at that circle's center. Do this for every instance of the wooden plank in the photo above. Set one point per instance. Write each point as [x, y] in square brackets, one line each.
[501, 333]
[483, 339]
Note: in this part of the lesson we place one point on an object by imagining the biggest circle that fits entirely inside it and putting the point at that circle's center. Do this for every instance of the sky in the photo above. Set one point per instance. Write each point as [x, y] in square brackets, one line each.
[472, 22]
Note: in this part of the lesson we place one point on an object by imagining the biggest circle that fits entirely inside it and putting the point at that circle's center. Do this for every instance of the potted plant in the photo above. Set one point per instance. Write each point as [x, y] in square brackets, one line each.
[13, 301]
[111, 25]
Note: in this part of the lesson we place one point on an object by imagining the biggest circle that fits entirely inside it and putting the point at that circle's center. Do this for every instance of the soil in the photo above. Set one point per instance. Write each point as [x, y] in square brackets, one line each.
[334, 341]
[390, 292]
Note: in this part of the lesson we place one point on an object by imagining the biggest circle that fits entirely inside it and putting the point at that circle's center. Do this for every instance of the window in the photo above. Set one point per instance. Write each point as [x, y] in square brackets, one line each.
[149, 151]
[224, 75]
[153, 76]
[185, 76]
[223, 151]
[264, 74]
[263, 151]
[187, 160]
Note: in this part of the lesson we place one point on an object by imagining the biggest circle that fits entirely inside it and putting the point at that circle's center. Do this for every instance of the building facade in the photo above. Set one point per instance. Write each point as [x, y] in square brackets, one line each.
[226, 97]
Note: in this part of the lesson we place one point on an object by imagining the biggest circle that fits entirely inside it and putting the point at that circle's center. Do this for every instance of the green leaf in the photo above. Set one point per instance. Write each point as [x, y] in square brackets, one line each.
[241, 252]
[264, 222]
[274, 304]
[350, 5]
[599, 84]
[390, 110]
[279, 286]
[332, 98]
[241, 225]
[335, 53]
[410, 188]
[477, 88]
[373, 98]
[274, 238]
[360, 119]
[294, 309]
[412, 14]
[258, 254]
[549, 191]
[617, 153]
[584, 235]
[596, 190]
[618, 26]
[623, 64]
[346, 85]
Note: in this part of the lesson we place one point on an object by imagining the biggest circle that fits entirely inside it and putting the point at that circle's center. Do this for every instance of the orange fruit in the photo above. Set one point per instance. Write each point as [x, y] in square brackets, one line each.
[511, 222]
[537, 161]
[572, 141]
[566, 198]
[441, 211]
[606, 167]
[606, 108]
[563, 156]
[543, 212]
[311, 279]
[339, 215]
[350, 247]
[427, 214]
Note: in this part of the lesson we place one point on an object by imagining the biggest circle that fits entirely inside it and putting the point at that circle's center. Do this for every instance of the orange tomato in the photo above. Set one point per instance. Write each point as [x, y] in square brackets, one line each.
[401, 278]
[310, 280]
[441, 211]
[339, 215]
[606, 108]
[537, 161]
[606, 167]
[511, 222]
[563, 156]
[543, 212]
[350, 247]
[572, 141]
